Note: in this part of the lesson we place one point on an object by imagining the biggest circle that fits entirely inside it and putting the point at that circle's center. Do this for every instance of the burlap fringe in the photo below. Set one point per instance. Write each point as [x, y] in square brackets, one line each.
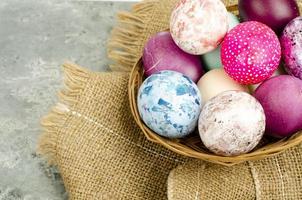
[124, 43]
[74, 81]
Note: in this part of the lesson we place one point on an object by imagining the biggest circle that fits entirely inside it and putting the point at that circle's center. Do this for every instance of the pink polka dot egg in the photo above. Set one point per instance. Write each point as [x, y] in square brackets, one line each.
[250, 52]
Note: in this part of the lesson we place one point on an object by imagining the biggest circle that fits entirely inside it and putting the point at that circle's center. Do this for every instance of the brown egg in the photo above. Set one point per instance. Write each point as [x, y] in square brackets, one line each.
[215, 82]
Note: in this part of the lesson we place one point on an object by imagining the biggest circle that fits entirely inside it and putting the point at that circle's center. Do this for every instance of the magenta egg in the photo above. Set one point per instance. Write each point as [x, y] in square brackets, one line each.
[161, 53]
[291, 43]
[281, 99]
[274, 13]
[250, 52]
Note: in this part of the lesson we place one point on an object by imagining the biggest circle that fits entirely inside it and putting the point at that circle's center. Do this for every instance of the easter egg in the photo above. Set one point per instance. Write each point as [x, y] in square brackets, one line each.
[215, 82]
[281, 98]
[212, 59]
[250, 52]
[161, 53]
[198, 26]
[231, 123]
[280, 71]
[169, 103]
[274, 13]
[291, 43]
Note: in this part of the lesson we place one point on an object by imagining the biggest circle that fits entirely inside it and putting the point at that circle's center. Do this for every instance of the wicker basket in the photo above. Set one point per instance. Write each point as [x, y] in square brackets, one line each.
[192, 146]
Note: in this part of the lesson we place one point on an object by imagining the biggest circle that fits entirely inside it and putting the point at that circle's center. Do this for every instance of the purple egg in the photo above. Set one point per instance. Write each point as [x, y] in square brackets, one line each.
[281, 99]
[161, 53]
[291, 43]
[274, 13]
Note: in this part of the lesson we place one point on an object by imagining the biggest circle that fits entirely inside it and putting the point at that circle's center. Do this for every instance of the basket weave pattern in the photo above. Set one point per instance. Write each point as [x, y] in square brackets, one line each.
[192, 145]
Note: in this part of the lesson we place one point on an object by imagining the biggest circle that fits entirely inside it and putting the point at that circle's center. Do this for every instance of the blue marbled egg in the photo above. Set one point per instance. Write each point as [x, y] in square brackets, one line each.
[169, 103]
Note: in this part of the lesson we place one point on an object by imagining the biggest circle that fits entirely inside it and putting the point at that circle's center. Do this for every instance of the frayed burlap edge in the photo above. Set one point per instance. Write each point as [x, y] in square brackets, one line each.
[124, 44]
[75, 78]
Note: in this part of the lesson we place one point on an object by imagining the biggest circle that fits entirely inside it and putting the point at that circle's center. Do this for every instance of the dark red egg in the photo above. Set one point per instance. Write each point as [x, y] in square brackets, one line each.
[274, 13]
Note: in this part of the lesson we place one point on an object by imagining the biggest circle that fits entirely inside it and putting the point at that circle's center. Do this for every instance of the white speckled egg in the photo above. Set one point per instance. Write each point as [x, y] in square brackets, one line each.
[198, 26]
[231, 123]
[169, 103]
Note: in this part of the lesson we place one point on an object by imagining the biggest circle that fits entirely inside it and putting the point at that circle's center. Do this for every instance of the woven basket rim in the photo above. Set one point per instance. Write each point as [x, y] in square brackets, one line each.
[135, 80]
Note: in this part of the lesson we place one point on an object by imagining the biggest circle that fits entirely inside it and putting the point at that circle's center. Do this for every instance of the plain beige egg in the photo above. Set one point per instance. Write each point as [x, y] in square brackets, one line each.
[216, 81]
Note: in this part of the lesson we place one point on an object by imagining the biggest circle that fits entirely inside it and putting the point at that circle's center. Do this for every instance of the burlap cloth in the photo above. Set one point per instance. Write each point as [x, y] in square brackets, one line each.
[276, 178]
[92, 138]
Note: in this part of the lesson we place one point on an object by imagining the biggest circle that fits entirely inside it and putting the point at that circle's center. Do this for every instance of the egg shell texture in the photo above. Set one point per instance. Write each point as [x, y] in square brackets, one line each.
[279, 71]
[215, 82]
[291, 43]
[161, 53]
[212, 59]
[250, 52]
[231, 123]
[169, 103]
[274, 13]
[198, 26]
[281, 98]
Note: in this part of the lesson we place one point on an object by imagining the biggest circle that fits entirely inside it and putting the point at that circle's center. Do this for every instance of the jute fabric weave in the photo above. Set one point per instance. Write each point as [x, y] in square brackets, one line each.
[277, 178]
[92, 138]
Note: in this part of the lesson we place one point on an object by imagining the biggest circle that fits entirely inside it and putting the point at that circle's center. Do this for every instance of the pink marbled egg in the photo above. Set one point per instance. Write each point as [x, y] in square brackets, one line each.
[198, 26]
[250, 52]
[291, 44]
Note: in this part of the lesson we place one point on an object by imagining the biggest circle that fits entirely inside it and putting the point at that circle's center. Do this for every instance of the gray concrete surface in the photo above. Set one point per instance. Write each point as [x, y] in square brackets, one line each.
[36, 36]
